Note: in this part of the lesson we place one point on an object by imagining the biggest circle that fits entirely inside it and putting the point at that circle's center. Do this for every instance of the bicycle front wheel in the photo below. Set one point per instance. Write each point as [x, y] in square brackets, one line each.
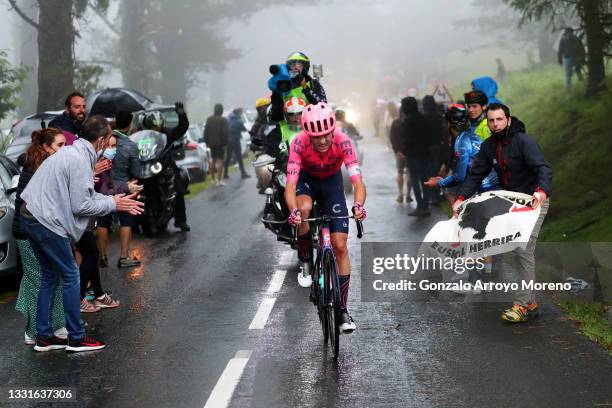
[332, 301]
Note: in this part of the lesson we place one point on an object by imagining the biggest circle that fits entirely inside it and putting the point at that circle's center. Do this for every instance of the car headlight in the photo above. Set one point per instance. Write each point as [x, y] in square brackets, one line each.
[156, 168]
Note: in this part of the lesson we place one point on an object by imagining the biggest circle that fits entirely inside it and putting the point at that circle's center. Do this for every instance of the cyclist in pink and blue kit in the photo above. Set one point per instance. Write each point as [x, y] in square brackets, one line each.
[314, 173]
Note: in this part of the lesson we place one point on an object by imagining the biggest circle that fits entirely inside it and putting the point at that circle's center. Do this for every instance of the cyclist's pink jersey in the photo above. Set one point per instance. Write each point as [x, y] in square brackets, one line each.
[302, 155]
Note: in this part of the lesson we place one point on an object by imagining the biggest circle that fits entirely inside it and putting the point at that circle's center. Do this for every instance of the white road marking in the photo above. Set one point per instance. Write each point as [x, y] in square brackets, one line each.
[277, 281]
[261, 317]
[224, 389]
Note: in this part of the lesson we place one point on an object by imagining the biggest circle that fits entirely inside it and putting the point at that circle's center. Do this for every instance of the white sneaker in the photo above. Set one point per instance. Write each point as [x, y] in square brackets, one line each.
[305, 275]
[222, 183]
[304, 280]
[29, 341]
[62, 333]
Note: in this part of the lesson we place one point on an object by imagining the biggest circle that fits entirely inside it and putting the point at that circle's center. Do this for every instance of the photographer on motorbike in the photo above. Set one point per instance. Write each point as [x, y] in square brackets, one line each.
[155, 121]
[302, 86]
[277, 141]
[261, 106]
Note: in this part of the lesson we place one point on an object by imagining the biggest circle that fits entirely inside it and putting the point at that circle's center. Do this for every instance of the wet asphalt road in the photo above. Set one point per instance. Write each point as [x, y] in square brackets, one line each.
[186, 314]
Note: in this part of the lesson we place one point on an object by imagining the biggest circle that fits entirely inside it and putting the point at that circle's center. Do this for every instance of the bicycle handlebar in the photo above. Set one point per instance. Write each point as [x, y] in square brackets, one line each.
[329, 218]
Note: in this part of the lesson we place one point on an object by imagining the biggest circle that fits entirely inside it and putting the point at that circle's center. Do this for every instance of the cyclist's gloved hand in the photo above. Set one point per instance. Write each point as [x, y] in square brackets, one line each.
[179, 108]
[359, 211]
[295, 218]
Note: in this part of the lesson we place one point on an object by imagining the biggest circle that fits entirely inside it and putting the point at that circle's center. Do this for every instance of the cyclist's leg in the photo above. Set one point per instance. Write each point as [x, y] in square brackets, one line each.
[339, 243]
[333, 203]
[304, 201]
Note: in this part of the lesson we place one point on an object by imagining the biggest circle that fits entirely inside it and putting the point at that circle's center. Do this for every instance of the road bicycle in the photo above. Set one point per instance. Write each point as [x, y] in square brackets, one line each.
[325, 289]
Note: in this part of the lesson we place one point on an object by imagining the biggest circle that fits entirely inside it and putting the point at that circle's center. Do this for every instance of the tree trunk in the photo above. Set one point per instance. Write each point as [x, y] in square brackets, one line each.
[596, 42]
[546, 50]
[25, 47]
[55, 53]
[170, 56]
[135, 64]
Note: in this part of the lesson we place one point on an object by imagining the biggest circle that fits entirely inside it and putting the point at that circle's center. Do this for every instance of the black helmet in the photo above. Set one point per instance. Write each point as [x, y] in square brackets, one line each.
[299, 57]
[476, 96]
[153, 119]
[457, 117]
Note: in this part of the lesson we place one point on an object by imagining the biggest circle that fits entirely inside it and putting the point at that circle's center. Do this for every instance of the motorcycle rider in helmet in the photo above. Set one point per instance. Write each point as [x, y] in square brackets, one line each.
[155, 121]
[303, 86]
[261, 122]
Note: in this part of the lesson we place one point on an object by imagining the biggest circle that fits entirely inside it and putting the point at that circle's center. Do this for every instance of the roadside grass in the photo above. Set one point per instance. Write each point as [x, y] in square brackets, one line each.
[574, 134]
[592, 320]
[197, 188]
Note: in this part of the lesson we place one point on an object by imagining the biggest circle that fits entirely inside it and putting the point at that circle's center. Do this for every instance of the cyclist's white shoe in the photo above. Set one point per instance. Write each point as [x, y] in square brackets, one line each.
[305, 275]
[305, 281]
[347, 325]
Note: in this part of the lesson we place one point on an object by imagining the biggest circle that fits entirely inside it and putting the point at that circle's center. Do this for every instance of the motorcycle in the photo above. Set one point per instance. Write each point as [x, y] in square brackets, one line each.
[157, 176]
[275, 212]
[262, 155]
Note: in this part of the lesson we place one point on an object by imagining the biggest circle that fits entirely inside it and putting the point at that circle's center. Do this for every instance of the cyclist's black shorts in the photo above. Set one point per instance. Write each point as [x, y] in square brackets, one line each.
[329, 193]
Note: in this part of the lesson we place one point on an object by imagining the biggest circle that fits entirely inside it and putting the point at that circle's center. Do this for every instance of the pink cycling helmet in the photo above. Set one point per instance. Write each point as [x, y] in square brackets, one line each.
[318, 120]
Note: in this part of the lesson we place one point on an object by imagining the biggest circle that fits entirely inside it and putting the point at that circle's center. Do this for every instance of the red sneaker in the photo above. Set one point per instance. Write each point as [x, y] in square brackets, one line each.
[84, 344]
[52, 343]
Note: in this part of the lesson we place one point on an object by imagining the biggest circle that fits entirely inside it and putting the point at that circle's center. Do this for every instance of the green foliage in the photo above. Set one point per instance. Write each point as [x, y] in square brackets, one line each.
[593, 321]
[574, 133]
[87, 77]
[11, 81]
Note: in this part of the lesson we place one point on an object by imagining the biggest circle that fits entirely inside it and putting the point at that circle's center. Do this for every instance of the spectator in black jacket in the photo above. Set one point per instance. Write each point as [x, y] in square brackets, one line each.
[126, 168]
[216, 136]
[521, 167]
[571, 55]
[415, 148]
[397, 143]
[437, 138]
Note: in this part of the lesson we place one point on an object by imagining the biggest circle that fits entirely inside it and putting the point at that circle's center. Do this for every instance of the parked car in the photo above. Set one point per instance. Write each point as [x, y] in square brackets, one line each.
[20, 136]
[9, 177]
[197, 155]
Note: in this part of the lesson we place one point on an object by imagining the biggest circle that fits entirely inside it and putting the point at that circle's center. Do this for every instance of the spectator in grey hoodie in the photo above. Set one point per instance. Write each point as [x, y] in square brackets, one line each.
[58, 204]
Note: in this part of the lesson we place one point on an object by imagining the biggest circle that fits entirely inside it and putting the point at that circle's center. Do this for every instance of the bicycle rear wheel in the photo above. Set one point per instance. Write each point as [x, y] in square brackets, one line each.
[332, 301]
